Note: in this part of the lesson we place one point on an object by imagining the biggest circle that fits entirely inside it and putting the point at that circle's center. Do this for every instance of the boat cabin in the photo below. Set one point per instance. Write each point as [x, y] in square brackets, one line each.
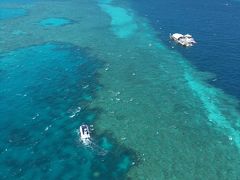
[185, 40]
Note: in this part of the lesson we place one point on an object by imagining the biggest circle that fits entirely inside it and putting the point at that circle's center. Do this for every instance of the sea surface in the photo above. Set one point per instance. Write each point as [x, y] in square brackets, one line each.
[214, 26]
[156, 110]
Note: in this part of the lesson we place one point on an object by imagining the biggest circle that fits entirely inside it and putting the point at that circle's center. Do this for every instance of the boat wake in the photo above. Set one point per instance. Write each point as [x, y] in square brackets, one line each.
[90, 144]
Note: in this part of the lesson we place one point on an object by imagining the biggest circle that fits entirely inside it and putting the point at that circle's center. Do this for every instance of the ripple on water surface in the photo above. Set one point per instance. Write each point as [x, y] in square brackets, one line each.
[42, 105]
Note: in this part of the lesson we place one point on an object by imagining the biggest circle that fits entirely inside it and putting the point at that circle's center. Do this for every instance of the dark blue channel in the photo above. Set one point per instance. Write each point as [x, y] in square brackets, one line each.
[215, 26]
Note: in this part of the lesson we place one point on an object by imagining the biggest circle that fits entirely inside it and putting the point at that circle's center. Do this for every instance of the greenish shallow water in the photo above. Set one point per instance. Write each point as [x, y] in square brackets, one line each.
[9, 13]
[142, 98]
[45, 92]
[188, 129]
[55, 22]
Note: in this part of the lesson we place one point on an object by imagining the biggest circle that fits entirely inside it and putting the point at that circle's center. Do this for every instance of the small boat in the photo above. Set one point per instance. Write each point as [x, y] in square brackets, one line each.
[185, 40]
[85, 134]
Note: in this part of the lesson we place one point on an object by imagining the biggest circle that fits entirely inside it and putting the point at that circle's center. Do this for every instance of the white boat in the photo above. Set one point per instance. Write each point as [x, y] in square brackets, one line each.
[85, 134]
[185, 40]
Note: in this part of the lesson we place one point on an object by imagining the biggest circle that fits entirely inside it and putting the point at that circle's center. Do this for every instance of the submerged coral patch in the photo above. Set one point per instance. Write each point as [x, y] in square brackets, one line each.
[43, 103]
[55, 22]
[208, 97]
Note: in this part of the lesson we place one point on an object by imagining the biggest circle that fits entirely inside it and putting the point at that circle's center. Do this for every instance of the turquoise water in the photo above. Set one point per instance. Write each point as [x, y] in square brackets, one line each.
[45, 91]
[55, 22]
[153, 114]
[9, 13]
[122, 23]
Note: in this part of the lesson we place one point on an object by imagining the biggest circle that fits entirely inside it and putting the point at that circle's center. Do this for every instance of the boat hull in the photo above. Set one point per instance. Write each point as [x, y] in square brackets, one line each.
[85, 134]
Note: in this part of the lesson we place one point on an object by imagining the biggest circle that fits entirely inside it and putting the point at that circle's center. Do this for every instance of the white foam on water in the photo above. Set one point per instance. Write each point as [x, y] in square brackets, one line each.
[89, 143]
[75, 112]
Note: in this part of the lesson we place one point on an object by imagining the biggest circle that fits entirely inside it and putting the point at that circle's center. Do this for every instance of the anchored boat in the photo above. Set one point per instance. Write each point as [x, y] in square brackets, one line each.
[185, 40]
[85, 134]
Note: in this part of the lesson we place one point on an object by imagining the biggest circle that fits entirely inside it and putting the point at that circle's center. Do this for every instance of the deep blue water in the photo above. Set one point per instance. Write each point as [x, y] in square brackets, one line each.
[46, 89]
[44, 97]
[214, 24]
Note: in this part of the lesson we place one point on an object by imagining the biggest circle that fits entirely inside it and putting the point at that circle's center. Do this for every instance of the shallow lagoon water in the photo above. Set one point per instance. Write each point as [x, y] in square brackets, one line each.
[122, 23]
[9, 13]
[171, 110]
[126, 82]
[55, 22]
[43, 90]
